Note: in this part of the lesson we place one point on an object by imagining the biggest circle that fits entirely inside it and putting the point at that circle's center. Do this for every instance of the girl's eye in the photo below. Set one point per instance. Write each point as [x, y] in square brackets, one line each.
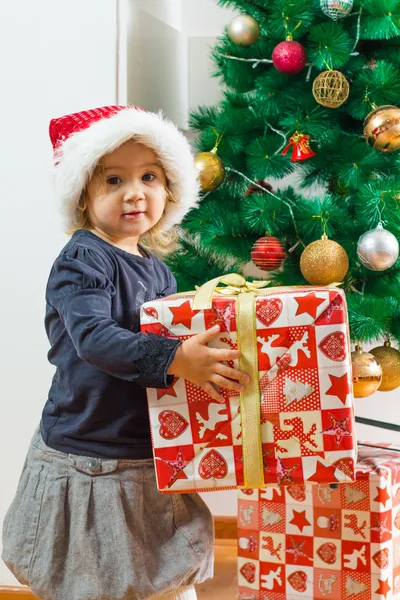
[150, 176]
[114, 180]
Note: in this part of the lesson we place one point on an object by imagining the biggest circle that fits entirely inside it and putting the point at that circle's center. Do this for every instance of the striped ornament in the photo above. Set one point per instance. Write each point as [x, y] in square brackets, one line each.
[268, 253]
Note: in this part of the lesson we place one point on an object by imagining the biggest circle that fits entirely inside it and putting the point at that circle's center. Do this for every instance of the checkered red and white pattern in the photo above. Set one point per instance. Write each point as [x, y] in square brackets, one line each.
[302, 542]
[306, 402]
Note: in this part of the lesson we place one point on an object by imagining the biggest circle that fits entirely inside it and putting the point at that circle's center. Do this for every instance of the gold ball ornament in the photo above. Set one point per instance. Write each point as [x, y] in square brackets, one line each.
[323, 262]
[382, 128]
[211, 170]
[367, 373]
[243, 30]
[389, 359]
[331, 89]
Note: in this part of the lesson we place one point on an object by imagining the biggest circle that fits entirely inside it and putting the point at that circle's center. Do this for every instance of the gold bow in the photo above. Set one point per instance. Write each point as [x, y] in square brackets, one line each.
[235, 284]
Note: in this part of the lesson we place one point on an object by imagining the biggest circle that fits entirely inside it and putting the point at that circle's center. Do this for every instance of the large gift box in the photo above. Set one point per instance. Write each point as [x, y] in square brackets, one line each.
[318, 541]
[294, 421]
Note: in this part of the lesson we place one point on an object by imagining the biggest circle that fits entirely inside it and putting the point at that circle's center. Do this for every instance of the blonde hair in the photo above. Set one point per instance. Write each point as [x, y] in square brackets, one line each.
[156, 239]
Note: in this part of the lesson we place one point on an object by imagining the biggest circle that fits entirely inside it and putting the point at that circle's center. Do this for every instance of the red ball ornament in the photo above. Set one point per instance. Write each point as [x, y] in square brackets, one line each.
[289, 57]
[268, 254]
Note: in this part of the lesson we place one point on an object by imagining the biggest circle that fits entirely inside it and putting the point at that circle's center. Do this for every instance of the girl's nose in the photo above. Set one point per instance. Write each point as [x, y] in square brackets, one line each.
[134, 192]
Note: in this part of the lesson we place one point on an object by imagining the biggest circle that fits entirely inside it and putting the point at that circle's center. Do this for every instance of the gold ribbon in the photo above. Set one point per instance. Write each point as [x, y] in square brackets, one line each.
[248, 363]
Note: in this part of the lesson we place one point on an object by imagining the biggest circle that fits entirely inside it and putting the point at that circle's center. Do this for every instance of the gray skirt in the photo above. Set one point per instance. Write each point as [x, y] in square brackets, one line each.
[81, 528]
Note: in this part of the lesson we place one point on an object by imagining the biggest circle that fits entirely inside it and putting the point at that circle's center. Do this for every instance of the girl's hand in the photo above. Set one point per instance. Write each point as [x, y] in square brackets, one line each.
[202, 365]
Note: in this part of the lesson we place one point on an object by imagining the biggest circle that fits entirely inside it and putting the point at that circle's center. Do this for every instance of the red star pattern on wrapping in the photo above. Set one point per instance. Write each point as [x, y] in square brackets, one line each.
[384, 587]
[223, 317]
[308, 304]
[338, 428]
[183, 314]
[323, 473]
[340, 387]
[382, 496]
[297, 550]
[284, 473]
[299, 519]
[167, 392]
[177, 465]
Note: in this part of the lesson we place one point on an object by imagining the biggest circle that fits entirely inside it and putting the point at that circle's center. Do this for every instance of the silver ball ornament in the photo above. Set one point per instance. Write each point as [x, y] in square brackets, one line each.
[336, 9]
[378, 249]
[243, 30]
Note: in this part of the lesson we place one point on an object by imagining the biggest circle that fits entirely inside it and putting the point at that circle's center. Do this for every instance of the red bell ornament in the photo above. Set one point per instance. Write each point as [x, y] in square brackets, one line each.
[300, 145]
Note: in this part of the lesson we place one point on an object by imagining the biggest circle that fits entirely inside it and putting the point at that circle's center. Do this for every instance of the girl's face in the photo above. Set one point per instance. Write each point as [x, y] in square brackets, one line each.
[132, 198]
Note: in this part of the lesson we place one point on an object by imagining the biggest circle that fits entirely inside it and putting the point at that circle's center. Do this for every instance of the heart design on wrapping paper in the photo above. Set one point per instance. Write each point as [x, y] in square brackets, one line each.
[172, 424]
[248, 571]
[327, 553]
[297, 492]
[150, 311]
[267, 311]
[298, 581]
[381, 558]
[213, 465]
[333, 346]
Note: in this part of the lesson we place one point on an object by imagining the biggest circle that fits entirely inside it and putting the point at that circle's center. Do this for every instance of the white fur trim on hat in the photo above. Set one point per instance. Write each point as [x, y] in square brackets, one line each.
[78, 156]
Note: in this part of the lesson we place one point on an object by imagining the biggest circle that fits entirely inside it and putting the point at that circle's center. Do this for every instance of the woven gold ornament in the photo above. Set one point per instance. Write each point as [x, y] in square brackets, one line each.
[382, 128]
[367, 373]
[211, 170]
[323, 262]
[331, 89]
[389, 359]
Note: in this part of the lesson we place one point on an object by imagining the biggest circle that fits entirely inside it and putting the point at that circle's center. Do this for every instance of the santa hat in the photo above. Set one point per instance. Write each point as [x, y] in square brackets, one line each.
[81, 139]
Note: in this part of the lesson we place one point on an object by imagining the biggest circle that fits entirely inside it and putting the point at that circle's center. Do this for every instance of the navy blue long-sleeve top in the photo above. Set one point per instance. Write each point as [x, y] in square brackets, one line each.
[97, 402]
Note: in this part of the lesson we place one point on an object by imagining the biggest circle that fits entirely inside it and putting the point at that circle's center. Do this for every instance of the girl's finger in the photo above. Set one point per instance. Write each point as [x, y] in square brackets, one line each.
[227, 383]
[211, 391]
[232, 373]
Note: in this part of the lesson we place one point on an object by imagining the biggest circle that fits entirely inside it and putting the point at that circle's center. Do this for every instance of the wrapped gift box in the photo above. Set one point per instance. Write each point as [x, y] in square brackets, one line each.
[294, 422]
[311, 541]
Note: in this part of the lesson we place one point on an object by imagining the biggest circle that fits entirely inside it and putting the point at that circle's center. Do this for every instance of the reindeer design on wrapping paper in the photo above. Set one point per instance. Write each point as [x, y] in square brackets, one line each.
[269, 545]
[267, 581]
[352, 523]
[214, 417]
[301, 436]
[350, 561]
[276, 352]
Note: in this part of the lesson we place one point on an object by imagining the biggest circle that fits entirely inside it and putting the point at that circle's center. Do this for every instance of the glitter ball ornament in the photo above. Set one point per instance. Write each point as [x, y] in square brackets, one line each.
[367, 373]
[323, 262]
[243, 30]
[389, 359]
[289, 57]
[268, 254]
[336, 9]
[211, 170]
[378, 249]
[331, 89]
[382, 128]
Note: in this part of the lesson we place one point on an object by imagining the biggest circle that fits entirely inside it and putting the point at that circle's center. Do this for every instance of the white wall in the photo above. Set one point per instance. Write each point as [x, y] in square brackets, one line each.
[53, 63]
[57, 57]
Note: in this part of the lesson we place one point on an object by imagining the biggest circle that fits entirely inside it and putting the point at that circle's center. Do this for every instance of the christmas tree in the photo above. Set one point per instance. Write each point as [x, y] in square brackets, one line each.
[309, 91]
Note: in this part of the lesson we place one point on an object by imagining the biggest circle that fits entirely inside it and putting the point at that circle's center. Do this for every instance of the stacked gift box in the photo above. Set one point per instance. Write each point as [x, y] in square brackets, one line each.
[318, 541]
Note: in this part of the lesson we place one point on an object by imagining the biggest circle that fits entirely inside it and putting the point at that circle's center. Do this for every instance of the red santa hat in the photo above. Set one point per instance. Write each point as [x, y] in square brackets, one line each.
[81, 139]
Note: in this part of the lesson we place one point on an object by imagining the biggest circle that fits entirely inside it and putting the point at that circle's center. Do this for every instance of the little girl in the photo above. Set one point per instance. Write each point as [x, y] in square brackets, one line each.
[87, 521]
